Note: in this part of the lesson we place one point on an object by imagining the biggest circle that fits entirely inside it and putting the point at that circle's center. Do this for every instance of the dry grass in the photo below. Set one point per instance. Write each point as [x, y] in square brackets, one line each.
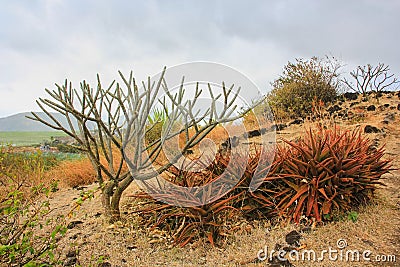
[129, 244]
[74, 173]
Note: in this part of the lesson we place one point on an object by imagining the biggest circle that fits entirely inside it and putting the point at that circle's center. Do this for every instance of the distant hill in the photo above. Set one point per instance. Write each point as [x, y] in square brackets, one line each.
[19, 123]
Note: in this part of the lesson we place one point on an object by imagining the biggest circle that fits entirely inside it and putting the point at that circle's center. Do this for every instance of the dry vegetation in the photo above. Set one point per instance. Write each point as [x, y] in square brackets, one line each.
[375, 226]
[149, 239]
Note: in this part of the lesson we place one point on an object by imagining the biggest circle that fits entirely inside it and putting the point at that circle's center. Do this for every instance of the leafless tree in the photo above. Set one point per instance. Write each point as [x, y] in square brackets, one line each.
[370, 78]
[114, 118]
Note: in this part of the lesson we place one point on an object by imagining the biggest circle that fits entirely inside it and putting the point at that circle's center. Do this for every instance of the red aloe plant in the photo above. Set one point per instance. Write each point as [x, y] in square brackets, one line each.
[326, 170]
[213, 220]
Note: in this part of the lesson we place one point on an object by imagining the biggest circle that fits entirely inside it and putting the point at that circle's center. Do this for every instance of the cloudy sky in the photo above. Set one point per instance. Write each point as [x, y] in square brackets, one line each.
[42, 42]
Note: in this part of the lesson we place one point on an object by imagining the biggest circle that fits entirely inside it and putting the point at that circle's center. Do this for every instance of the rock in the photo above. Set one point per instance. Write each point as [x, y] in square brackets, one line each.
[351, 96]
[388, 118]
[368, 242]
[350, 114]
[306, 229]
[231, 142]
[334, 108]
[278, 127]
[71, 254]
[80, 188]
[70, 261]
[354, 103]
[371, 108]
[188, 152]
[263, 130]
[381, 108]
[275, 261]
[296, 121]
[73, 224]
[371, 129]
[75, 236]
[293, 238]
[374, 146]
[254, 133]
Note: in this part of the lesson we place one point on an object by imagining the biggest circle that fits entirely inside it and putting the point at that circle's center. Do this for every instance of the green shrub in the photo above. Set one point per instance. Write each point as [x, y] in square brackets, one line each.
[302, 83]
[68, 148]
[154, 132]
[29, 233]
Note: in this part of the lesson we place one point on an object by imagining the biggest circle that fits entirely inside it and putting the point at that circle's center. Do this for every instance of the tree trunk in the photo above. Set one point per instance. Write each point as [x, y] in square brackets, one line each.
[106, 195]
[112, 197]
[114, 211]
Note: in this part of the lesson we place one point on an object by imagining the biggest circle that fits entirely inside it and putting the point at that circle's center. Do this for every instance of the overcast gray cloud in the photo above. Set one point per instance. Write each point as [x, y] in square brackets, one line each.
[43, 42]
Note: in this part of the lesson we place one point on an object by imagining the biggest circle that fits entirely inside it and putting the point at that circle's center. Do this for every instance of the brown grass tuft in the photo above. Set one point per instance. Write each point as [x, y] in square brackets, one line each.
[74, 173]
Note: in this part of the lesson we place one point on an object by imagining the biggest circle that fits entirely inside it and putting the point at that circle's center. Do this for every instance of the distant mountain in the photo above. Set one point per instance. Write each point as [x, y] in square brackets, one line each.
[19, 123]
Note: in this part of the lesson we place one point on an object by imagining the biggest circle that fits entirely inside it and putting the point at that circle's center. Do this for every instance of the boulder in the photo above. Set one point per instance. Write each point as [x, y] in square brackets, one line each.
[334, 108]
[371, 129]
[381, 108]
[278, 126]
[231, 142]
[351, 96]
[354, 103]
[388, 118]
[254, 133]
[296, 121]
[71, 261]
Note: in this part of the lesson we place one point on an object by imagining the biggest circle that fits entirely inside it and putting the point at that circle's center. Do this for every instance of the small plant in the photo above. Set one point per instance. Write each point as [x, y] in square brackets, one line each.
[352, 216]
[158, 115]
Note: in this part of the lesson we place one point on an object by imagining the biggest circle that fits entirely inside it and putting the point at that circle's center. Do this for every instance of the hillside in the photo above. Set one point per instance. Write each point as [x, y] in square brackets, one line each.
[19, 123]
